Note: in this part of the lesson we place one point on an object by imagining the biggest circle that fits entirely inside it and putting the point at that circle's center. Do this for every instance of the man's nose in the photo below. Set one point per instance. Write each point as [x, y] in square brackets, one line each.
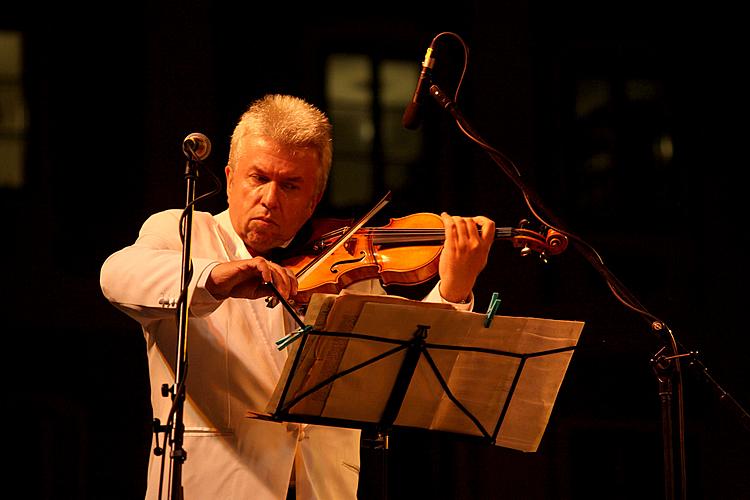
[270, 195]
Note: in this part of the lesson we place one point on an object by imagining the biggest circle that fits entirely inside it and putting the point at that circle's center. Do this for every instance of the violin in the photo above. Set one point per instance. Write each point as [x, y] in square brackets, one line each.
[406, 251]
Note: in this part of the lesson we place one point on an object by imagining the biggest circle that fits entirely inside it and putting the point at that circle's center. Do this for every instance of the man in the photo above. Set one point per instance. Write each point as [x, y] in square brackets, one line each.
[279, 160]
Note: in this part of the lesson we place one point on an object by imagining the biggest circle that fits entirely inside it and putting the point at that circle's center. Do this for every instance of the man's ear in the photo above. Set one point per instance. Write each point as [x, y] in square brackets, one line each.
[229, 174]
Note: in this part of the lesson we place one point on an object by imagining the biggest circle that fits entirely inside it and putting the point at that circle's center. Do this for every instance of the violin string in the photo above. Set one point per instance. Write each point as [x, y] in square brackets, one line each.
[405, 233]
[499, 232]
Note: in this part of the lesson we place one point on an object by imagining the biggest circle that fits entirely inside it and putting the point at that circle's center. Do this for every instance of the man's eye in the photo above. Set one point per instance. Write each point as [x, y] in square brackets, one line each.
[289, 186]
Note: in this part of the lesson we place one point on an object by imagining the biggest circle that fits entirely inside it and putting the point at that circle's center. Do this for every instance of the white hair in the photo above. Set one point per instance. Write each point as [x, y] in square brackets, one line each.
[291, 122]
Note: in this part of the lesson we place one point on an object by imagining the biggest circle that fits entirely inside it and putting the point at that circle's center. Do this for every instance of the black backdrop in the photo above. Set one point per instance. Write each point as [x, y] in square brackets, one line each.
[112, 94]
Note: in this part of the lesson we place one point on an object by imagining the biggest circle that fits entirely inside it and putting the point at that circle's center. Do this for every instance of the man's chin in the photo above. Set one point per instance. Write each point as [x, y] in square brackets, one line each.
[260, 247]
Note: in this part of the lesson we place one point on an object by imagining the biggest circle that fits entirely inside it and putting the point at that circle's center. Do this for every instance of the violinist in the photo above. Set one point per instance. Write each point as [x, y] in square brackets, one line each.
[279, 159]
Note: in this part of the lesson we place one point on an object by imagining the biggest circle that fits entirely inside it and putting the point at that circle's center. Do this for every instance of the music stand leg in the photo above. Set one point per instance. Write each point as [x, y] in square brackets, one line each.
[382, 439]
[379, 443]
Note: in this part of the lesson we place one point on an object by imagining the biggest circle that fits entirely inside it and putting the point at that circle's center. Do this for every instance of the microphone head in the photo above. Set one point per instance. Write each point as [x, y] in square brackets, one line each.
[196, 146]
[413, 114]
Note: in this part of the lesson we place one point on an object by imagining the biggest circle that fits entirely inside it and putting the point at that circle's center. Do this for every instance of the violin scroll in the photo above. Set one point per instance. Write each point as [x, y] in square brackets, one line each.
[556, 242]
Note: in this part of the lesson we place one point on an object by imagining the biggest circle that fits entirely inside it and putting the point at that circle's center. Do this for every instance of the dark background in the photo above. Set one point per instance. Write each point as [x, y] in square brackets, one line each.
[111, 95]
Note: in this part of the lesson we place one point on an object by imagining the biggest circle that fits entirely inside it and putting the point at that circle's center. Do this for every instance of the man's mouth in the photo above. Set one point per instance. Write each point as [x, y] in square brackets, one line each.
[264, 221]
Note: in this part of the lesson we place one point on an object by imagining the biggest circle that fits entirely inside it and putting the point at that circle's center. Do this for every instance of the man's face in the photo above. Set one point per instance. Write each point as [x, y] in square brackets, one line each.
[271, 192]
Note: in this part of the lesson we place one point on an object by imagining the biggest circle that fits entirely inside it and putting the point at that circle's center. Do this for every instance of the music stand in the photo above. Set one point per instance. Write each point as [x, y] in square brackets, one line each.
[375, 362]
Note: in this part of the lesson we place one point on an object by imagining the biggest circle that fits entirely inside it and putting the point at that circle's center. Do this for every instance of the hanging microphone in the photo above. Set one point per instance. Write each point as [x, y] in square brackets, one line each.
[196, 146]
[413, 113]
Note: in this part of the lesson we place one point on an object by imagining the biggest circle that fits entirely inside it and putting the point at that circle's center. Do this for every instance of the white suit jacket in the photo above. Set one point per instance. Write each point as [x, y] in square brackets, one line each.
[233, 367]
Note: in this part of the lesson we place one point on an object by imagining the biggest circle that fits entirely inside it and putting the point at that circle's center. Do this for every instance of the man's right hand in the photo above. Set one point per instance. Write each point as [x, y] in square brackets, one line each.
[245, 279]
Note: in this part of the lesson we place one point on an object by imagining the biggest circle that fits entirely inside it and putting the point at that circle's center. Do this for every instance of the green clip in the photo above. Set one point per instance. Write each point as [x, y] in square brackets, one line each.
[492, 309]
[283, 342]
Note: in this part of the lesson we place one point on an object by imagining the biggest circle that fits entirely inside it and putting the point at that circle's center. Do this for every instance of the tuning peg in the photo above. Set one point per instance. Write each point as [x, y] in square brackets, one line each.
[543, 257]
[525, 251]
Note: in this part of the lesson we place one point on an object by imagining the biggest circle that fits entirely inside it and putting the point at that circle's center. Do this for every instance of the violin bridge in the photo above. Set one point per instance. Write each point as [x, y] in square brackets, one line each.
[350, 246]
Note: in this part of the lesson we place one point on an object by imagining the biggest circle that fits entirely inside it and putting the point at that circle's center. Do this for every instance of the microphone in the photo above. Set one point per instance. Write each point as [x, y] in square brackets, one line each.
[413, 113]
[196, 146]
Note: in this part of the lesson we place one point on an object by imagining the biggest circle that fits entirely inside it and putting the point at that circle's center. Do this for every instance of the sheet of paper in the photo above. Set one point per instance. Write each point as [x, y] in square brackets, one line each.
[481, 382]
[317, 312]
[365, 391]
[322, 356]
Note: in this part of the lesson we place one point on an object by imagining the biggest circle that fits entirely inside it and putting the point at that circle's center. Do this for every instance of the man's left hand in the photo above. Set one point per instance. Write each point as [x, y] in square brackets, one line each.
[467, 245]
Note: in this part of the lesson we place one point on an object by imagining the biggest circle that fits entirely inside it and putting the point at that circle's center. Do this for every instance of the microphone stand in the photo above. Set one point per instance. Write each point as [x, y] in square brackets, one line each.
[665, 363]
[196, 147]
[178, 454]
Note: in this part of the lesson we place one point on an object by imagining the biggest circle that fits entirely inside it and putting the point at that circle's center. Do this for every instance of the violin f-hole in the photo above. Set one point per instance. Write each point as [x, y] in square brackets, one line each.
[333, 269]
